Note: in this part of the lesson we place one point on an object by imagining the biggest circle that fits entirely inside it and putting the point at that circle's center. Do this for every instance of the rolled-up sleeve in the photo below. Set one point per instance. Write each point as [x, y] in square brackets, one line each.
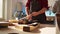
[45, 4]
[28, 3]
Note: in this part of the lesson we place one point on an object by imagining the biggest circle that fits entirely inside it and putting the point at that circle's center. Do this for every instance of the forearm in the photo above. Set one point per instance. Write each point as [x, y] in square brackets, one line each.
[42, 11]
[39, 12]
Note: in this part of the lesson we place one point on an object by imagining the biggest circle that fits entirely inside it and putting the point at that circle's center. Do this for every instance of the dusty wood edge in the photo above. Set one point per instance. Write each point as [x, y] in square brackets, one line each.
[2, 19]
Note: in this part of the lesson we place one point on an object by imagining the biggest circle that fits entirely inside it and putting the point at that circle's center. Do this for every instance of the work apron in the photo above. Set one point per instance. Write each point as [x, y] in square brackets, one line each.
[35, 6]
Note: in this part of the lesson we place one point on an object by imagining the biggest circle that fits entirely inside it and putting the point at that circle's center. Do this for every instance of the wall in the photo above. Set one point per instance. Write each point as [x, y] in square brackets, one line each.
[51, 3]
[10, 4]
[1, 7]
[10, 7]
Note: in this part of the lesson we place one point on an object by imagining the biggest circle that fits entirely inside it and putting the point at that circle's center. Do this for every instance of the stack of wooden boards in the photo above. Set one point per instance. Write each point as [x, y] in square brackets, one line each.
[4, 24]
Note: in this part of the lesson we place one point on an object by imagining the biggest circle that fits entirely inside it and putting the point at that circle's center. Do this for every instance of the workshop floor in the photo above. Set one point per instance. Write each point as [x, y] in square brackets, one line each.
[43, 29]
[47, 29]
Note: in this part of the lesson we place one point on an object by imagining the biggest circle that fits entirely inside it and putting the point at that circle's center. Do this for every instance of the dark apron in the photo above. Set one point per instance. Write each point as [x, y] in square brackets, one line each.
[35, 6]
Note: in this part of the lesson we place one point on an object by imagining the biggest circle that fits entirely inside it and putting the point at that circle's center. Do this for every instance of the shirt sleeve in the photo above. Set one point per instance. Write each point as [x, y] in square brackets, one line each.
[45, 4]
[28, 3]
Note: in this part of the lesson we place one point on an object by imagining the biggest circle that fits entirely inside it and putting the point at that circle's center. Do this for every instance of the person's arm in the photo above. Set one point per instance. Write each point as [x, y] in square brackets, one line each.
[27, 10]
[44, 8]
[39, 12]
[27, 7]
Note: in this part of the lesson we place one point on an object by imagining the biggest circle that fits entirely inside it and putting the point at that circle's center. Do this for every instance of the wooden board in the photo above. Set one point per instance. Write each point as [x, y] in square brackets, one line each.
[4, 23]
[25, 27]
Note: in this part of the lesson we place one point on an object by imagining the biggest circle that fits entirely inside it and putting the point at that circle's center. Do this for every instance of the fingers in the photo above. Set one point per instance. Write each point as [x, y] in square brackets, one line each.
[29, 17]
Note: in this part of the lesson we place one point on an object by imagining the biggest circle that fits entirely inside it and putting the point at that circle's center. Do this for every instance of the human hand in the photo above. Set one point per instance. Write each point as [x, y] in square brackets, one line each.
[29, 17]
